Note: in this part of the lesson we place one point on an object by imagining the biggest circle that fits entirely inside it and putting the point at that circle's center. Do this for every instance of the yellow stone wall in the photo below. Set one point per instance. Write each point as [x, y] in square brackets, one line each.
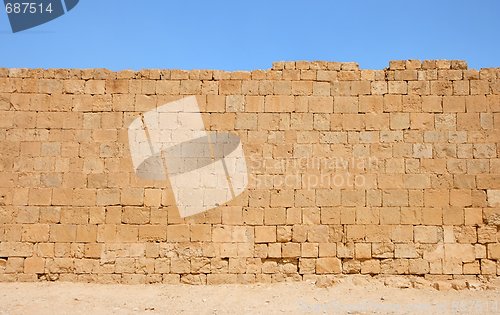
[393, 171]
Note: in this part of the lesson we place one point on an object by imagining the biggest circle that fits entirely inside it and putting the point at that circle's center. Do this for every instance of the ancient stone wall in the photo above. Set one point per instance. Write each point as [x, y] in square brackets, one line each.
[393, 171]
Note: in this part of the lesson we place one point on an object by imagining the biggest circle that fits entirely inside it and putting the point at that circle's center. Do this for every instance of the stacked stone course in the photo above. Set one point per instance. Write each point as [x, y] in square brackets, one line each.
[413, 151]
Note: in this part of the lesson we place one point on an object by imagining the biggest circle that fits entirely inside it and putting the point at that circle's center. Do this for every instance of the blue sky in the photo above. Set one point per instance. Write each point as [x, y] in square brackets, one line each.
[236, 34]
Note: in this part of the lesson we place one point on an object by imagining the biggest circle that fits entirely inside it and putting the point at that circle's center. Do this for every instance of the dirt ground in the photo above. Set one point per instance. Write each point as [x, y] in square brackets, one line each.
[350, 295]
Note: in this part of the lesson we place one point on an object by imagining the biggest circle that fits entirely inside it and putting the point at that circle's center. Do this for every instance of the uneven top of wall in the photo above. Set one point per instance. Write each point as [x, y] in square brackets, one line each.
[282, 70]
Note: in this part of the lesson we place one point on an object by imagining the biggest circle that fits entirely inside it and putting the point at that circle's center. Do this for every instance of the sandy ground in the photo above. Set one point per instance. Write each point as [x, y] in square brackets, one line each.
[346, 297]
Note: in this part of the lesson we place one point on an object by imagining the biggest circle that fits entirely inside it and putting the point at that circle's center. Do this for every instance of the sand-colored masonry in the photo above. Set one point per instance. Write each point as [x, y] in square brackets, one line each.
[393, 171]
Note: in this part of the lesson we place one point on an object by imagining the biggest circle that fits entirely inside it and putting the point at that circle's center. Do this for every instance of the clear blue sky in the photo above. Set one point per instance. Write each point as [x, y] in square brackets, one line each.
[237, 34]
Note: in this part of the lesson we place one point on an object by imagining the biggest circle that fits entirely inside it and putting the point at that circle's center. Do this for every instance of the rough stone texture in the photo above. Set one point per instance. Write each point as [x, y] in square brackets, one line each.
[393, 171]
